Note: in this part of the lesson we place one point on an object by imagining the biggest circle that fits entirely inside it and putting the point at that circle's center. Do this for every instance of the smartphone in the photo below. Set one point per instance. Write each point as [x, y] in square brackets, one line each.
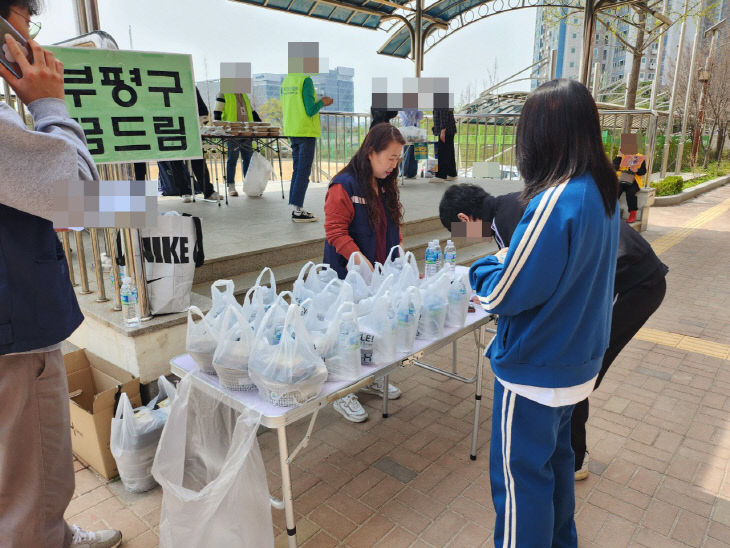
[9, 63]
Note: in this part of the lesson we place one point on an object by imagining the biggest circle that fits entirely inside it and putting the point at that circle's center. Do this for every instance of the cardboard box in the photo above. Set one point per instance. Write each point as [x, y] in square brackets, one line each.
[93, 408]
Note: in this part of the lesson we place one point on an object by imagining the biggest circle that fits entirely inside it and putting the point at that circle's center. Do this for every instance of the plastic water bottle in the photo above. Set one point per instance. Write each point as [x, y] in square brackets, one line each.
[121, 275]
[439, 255]
[130, 307]
[450, 256]
[430, 264]
[106, 262]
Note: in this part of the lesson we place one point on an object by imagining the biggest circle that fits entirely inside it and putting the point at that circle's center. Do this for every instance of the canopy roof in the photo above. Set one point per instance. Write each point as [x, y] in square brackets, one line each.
[357, 13]
[399, 44]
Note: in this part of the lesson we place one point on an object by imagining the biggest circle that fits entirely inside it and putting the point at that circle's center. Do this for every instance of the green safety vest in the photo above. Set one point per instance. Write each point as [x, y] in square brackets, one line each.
[296, 121]
[231, 108]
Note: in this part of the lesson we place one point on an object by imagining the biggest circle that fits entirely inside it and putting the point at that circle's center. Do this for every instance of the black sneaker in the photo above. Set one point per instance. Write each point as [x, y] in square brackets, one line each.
[303, 216]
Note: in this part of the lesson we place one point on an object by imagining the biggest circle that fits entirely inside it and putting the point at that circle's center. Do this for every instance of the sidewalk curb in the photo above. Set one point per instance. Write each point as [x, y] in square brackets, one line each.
[692, 192]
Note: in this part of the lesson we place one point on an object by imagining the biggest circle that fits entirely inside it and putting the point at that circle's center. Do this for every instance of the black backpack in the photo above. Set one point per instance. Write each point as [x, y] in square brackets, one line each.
[174, 178]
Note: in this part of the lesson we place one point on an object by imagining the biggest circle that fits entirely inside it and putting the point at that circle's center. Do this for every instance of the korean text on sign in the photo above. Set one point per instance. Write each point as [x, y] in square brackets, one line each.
[132, 106]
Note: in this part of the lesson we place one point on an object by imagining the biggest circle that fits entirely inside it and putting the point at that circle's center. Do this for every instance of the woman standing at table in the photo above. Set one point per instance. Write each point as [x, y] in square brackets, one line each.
[363, 213]
[553, 294]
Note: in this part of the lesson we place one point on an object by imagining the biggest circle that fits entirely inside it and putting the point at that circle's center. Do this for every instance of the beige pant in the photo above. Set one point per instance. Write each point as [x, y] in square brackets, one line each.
[36, 464]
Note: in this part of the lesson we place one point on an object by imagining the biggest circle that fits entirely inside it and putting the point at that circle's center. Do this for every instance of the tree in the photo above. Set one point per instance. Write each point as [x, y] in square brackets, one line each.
[271, 112]
[718, 100]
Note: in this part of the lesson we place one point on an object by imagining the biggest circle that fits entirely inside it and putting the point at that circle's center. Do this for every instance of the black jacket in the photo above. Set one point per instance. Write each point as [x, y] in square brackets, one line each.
[636, 261]
[380, 115]
[504, 213]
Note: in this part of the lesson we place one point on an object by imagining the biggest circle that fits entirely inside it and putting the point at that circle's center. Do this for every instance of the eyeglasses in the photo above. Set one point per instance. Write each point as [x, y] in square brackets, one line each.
[33, 27]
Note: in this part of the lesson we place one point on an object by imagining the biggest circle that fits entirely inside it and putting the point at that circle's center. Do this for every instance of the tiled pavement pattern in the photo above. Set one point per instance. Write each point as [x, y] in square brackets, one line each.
[658, 436]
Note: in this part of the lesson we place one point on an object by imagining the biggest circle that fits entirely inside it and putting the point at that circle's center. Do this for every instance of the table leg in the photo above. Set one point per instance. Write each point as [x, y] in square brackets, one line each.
[281, 171]
[453, 357]
[477, 396]
[385, 397]
[192, 180]
[286, 491]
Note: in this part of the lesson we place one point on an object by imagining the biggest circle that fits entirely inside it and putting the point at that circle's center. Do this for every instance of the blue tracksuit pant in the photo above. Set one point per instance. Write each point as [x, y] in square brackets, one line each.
[532, 475]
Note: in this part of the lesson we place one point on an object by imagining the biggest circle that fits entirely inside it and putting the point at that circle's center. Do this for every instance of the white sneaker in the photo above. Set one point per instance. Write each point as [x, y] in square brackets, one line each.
[436, 180]
[214, 196]
[107, 538]
[187, 198]
[583, 473]
[350, 408]
[377, 389]
[232, 191]
[452, 177]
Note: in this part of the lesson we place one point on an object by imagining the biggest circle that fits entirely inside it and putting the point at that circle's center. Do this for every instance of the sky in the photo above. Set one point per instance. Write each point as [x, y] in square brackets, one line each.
[215, 31]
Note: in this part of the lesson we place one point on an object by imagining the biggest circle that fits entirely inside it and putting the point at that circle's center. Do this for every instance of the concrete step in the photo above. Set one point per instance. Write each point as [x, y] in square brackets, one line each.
[286, 274]
[234, 265]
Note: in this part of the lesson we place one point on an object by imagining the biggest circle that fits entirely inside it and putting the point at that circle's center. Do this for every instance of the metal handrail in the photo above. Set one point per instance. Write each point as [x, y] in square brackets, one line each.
[487, 137]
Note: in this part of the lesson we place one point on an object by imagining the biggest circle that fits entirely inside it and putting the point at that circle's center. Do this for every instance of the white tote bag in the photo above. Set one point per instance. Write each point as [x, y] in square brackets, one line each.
[258, 175]
[172, 250]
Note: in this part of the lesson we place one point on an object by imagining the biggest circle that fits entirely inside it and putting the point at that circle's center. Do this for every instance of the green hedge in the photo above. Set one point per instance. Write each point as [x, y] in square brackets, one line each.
[669, 185]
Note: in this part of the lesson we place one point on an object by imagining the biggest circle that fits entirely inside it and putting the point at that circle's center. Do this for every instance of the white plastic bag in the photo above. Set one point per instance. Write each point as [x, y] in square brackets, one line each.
[409, 274]
[407, 313]
[359, 277]
[459, 295]
[222, 295]
[311, 280]
[201, 341]
[378, 277]
[366, 305]
[272, 324]
[413, 134]
[231, 357]
[268, 293]
[434, 295]
[134, 437]
[378, 333]
[290, 372]
[214, 490]
[394, 265]
[258, 175]
[340, 346]
[361, 268]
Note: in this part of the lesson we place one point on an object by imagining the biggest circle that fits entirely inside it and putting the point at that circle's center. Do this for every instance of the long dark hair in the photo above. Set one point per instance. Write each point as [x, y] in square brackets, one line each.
[378, 139]
[559, 137]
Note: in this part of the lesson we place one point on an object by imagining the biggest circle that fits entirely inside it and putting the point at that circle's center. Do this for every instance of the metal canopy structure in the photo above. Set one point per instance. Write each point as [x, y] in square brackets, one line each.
[415, 29]
[366, 14]
[458, 14]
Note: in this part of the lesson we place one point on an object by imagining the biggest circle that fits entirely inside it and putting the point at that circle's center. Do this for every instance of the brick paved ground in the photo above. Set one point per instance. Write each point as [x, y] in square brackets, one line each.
[658, 435]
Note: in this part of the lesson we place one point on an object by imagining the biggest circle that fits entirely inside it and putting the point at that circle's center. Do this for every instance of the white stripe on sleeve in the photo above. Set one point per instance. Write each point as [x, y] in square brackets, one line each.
[526, 245]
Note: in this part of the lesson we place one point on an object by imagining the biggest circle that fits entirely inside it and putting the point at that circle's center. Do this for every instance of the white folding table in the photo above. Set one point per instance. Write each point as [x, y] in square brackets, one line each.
[280, 417]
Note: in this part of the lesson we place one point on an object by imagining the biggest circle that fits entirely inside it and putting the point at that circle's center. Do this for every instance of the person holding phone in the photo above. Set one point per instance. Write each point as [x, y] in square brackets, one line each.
[363, 214]
[553, 292]
[38, 308]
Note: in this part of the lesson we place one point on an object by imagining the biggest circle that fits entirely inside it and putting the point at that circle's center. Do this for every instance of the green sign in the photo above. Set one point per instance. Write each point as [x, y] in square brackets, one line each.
[132, 106]
[420, 151]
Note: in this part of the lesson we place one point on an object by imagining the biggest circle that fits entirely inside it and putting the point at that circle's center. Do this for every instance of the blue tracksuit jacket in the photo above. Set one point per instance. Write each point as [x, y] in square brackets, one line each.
[554, 291]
